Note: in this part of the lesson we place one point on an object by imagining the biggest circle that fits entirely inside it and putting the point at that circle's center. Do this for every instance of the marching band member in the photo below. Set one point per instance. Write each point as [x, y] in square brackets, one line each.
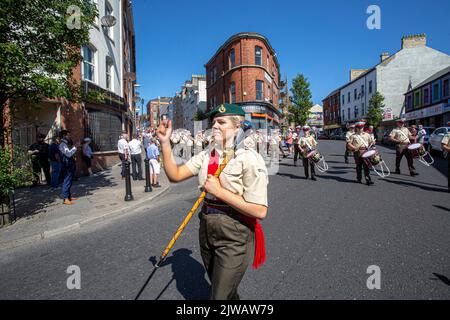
[359, 142]
[400, 136]
[307, 143]
[198, 142]
[446, 146]
[349, 133]
[229, 230]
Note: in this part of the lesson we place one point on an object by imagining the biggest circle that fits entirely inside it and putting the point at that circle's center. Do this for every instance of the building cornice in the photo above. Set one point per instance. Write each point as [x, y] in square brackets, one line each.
[246, 35]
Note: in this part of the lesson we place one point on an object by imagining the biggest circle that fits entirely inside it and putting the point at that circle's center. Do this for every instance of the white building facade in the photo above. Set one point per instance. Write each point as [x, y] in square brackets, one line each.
[108, 70]
[392, 77]
[193, 100]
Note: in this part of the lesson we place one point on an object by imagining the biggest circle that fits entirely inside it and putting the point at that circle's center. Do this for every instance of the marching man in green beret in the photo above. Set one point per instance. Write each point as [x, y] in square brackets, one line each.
[229, 232]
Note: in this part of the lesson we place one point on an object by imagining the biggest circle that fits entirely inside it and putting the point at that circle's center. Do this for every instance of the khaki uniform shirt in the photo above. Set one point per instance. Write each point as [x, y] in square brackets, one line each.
[308, 142]
[446, 139]
[250, 142]
[401, 134]
[348, 135]
[361, 140]
[245, 174]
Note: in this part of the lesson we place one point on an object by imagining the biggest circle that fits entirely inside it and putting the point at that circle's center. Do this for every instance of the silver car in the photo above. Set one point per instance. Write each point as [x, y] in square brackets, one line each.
[436, 140]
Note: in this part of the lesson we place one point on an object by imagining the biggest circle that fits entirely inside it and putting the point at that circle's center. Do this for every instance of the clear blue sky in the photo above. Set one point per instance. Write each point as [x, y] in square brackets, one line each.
[323, 39]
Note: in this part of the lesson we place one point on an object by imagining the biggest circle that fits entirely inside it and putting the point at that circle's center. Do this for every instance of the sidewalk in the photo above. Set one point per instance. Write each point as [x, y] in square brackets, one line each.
[41, 214]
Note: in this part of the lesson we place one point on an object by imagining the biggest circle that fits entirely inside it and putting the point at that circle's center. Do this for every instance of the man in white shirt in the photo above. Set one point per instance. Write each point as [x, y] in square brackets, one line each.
[122, 148]
[135, 147]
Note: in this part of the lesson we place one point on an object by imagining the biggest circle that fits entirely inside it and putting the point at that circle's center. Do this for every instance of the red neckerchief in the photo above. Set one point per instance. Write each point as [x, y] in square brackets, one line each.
[260, 249]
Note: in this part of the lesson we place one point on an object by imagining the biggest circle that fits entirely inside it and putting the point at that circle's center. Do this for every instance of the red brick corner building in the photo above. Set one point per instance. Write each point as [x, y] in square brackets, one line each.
[245, 71]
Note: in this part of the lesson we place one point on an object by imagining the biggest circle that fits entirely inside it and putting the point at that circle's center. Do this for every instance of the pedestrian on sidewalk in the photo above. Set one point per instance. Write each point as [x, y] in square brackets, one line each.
[123, 150]
[153, 156]
[87, 154]
[55, 157]
[421, 134]
[39, 159]
[146, 137]
[135, 147]
[229, 230]
[68, 151]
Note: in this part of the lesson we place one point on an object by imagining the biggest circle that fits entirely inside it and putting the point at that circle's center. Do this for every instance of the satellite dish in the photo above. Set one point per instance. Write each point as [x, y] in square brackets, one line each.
[108, 21]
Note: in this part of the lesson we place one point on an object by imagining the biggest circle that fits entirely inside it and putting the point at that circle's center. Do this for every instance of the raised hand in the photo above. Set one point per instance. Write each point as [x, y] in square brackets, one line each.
[164, 133]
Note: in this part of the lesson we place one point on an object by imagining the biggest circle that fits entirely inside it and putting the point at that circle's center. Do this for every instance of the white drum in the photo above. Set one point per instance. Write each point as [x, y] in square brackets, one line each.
[418, 150]
[373, 160]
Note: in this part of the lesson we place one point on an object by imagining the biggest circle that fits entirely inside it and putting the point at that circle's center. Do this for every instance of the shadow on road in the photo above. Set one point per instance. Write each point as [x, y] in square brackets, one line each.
[442, 278]
[338, 179]
[289, 175]
[417, 185]
[441, 207]
[289, 164]
[188, 274]
[396, 177]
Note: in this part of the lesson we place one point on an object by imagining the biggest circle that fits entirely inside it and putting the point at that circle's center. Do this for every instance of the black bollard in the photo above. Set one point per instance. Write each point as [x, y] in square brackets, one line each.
[148, 185]
[128, 194]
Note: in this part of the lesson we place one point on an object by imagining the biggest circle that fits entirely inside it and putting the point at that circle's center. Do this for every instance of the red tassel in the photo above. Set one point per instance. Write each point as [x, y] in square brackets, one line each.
[260, 248]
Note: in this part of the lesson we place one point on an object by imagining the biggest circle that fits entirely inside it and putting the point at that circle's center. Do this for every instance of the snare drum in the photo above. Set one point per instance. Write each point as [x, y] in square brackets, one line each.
[417, 150]
[371, 157]
[314, 155]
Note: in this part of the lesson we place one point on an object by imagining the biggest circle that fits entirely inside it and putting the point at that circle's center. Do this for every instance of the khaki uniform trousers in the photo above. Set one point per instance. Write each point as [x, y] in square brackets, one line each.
[226, 246]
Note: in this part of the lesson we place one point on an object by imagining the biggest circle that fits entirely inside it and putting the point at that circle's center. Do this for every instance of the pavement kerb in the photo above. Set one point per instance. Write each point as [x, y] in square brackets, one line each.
[121, 211]
[57, 231]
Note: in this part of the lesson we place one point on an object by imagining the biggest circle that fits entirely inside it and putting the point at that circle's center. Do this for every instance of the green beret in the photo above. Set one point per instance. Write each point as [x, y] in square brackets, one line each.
[226, 109]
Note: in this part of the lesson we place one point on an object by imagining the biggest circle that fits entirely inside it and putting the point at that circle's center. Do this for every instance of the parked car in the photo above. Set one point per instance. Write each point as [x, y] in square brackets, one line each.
[323, 136]
[336, 134]
[435, 141]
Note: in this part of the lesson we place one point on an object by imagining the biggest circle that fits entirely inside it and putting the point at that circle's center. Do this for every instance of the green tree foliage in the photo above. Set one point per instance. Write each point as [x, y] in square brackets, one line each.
[301, 100]
[375, 112]
[13, 175]
[40, 43]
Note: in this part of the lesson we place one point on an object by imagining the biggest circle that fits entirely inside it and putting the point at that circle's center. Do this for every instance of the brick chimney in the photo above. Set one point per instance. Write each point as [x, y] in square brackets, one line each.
[414, 41]
[384, 56]
[355, 73]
